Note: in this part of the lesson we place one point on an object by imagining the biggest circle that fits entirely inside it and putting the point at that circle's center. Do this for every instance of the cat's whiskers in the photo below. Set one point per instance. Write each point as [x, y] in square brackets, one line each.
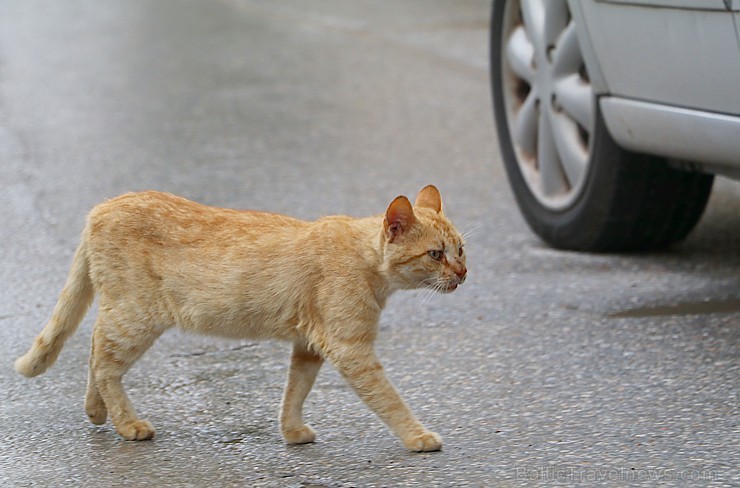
[468, 233]
[432, 287]
[471, 227]
[426, 293]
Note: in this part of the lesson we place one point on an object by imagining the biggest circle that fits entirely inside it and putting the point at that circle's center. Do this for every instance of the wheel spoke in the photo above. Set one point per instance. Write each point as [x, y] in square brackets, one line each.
[572, 153]
[525, 131]
[576, 98]
[567, 57]
[551, 175]
[519, 53]
[544, 20]
[556, 20]
[533, 15]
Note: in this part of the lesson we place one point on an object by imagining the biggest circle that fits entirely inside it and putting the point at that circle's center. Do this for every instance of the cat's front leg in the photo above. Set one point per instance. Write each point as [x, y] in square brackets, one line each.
[304, 366]
[361, 368]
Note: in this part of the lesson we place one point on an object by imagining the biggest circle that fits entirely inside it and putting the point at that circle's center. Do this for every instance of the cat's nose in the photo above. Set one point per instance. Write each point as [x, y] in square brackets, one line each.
[461, 272]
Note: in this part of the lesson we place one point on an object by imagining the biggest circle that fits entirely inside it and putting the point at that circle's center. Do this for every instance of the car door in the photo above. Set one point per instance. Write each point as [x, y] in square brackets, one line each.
[682, 53]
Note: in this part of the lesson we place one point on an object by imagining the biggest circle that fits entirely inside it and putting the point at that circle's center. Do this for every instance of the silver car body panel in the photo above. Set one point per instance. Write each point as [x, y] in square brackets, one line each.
[680, 133]
[676, 4]
[736, 9]
[668, 73]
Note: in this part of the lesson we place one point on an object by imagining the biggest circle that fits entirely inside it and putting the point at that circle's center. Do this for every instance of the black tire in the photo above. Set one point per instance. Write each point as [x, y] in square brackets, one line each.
[629, 202]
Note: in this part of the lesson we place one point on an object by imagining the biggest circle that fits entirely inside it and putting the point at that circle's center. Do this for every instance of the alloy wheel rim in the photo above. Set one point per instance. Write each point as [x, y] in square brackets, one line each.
[549, 100]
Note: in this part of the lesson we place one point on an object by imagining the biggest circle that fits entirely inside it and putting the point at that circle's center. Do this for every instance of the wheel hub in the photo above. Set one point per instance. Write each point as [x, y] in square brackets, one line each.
[549, 100]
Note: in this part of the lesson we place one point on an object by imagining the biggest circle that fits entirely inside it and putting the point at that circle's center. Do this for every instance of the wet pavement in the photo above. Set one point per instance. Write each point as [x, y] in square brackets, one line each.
[546, 369]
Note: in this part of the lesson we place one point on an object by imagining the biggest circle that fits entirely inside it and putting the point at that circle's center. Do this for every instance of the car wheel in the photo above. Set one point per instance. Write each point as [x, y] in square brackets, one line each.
[576, 188]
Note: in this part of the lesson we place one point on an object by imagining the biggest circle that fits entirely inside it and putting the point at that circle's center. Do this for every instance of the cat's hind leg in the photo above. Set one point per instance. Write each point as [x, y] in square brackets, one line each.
[115, 348]
[94, 404]
[304, 366]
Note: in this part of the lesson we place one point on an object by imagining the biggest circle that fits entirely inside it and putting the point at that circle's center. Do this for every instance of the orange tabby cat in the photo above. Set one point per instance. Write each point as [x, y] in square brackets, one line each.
[157, 261]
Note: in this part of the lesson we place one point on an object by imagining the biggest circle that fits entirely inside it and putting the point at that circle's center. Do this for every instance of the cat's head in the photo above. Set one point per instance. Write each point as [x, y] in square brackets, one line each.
[423, 248]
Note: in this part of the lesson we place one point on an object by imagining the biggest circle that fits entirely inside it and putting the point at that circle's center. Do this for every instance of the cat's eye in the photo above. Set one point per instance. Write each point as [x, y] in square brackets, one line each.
[435, 254]
[460, 251]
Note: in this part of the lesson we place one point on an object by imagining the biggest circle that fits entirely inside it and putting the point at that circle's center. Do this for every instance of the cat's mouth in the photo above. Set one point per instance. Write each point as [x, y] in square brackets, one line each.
[449, 288]
[446, 286]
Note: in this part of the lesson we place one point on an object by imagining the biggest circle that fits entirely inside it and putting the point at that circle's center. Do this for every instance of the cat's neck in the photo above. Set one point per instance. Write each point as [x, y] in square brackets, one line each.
[363, 242]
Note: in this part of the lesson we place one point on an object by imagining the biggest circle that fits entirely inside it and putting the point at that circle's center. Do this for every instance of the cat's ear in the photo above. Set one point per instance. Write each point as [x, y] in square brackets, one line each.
[429, 197]
[398, 218]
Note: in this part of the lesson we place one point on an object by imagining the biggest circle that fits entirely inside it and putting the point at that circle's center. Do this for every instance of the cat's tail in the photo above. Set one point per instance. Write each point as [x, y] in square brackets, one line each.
[75, 299]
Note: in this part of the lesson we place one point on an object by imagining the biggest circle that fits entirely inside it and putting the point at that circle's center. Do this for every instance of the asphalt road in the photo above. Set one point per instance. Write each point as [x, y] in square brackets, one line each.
[545, 369]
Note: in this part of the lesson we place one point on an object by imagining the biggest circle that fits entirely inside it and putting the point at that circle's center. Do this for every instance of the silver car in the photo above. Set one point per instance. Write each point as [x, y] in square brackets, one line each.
[613, 116]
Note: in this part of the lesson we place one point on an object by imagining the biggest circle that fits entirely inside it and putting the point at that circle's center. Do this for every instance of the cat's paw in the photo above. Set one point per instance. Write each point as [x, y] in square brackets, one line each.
[97, 415]
[428, 441]
[95, 409]
[301, 435]
[139, 430]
